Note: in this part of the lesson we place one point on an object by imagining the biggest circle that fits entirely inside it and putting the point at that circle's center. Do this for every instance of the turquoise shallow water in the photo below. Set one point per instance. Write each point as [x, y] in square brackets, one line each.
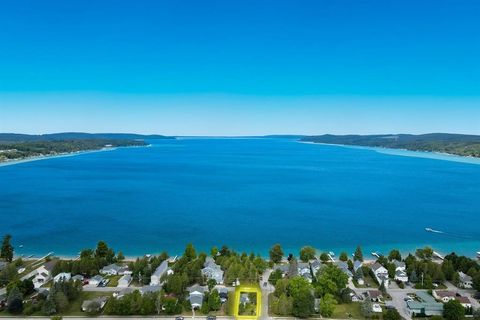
[246, 193]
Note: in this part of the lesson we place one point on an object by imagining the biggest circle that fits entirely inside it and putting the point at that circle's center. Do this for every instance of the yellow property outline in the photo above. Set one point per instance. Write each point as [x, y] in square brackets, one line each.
[247, 289]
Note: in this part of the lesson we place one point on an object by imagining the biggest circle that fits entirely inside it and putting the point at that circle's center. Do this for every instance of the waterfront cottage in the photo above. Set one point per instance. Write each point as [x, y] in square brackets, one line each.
[212, 270]
[43, 274]
[342, 265]
[304, 271]
[114, 269]
[381, 274]
[155, 279]
[465, 280]
[124, 281]
[374, 295]
[465, 302]
[357, 264]
[61, 277]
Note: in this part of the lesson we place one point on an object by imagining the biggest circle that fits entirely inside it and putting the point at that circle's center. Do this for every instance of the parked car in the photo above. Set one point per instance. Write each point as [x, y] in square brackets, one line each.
[211, 318]
[179, 318]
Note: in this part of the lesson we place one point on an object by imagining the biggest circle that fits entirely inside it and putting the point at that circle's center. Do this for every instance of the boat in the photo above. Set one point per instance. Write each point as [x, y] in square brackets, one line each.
[332, 253]
[20, 246]
[375, 254]
[432, 230]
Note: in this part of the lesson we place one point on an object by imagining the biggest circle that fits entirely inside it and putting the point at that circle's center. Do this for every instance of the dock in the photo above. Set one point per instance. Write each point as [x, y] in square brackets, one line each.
[438, 255]
[375, 255]
[330, 257]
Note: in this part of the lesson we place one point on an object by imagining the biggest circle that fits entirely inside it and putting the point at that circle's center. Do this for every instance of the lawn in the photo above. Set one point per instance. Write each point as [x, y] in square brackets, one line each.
[113, 280]
[342, 311]
[75, 308]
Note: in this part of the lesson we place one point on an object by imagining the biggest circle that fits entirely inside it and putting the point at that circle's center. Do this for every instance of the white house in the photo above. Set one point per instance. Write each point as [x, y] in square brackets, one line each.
[159, 272]
[381, 273]
[443, 295]
[124, 281]
[114, 269]
[400, 271]
[212, 270]
[43, 274]
[95, 281]
[465, 280]
[62, 277]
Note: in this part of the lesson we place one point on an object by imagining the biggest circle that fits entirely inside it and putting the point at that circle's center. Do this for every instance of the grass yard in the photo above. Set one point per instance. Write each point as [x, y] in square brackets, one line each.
[113, 280]
[75, 308]
[342, 311]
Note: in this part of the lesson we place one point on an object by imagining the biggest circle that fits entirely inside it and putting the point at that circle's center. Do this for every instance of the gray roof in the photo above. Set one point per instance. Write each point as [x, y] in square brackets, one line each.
[196, 299]
[399, 264]
[112, 266]
[149, 289]
[98, 278]
[427, 303]
[376, 266]
[357, 264]
[50, 264]
[198, 288]
[464, 277]
[162, 268]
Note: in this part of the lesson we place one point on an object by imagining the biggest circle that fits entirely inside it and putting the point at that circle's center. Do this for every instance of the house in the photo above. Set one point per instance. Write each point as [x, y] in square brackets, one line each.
[149, 289]
[465, 280]
[355, 297]
[124, 281]
[43, 274]
[62, 277]
[400, 265]
[381, 274]
[464, 301]
[443, 295]
[400, 271]
[96, 304]
[426, 305]
[304, 271]
[78, 277]
[283, 268]
[195, 296]
[342, 265]
[155, 279]
[374, 295]
[114, 269]
[95, 281]
[357, 264]
[376, 308]
[315, 265]
[212, 270]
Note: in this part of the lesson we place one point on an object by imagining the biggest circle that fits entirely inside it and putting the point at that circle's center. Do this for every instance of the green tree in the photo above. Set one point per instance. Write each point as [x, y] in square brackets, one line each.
[276, 253]
[214, 251]
[293, 268]
[327, 305]
[102, 249]
[120, 256]
[392, 314]
[358, 255]
[330, 280]
[214, 302]
[190, 252]
[285, 305]
[6, 252]
[395, 255]
[275, 276]
[15, 301]
[211, 283]
[61, 302]
[297, 284]
[453, 310]
[303, 303]
[307, 253]
[343, 257]
[366, 308]
[324, 257]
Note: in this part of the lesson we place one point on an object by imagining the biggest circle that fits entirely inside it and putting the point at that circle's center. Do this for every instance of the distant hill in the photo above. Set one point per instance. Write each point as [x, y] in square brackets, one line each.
[458, 144]
[77, 136]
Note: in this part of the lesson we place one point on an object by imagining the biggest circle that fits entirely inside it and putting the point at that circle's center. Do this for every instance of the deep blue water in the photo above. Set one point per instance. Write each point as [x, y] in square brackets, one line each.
[245, 193]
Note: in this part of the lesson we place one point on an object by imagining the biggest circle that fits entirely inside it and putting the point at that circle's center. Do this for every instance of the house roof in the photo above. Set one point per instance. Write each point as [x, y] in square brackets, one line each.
[50, 264]
[112, 266]
[126, 277]
[161, 269]
[148, 289]
[463, 300]
[374, 294]
[399, 264]
[357, 264]
[464, 277]
[97, 278]
[198, 288]
[444, 293]
[376, 266]
[196, 299]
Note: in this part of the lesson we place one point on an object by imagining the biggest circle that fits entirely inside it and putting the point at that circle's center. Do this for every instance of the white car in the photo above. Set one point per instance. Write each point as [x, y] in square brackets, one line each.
[376, 308]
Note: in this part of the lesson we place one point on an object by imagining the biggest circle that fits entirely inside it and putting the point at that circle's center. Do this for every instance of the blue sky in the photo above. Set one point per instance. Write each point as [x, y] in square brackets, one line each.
[240, 67]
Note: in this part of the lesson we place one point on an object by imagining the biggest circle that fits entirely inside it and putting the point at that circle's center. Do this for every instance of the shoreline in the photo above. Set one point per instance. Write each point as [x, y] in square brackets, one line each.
[434, 155]
[62, 155]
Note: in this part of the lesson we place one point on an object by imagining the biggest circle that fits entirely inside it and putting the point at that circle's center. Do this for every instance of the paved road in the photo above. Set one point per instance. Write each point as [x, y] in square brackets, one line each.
[266, 290]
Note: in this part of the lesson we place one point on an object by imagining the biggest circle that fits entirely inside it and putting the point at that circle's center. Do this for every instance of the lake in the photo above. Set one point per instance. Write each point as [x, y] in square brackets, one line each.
[245, 193]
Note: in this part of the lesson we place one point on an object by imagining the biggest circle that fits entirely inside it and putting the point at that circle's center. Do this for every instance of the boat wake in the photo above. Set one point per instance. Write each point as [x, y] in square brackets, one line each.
[449, 234]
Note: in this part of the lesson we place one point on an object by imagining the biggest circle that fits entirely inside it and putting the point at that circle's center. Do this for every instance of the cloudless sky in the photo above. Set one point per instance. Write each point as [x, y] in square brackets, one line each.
[240, 67]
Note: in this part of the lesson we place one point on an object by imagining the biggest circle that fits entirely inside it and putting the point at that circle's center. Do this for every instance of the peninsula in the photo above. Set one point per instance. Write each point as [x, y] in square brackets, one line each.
[456, 144]
[14, 147]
